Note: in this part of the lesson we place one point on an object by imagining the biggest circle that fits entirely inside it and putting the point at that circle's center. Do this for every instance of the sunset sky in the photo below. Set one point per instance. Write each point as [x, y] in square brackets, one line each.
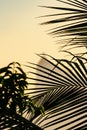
[21, 36]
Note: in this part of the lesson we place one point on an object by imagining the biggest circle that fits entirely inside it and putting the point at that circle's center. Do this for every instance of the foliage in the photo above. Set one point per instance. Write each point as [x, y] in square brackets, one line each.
[14, 121]
[61, 84]
[62, 91]
[70, 21]
[13, 82]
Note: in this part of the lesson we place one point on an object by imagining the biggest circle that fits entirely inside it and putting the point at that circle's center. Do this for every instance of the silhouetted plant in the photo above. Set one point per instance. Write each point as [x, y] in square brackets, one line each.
[13, 82]
[61, 84]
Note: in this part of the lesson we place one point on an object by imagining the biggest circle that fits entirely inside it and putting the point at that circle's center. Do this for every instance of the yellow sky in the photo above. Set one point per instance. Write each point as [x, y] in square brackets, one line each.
[21, 36]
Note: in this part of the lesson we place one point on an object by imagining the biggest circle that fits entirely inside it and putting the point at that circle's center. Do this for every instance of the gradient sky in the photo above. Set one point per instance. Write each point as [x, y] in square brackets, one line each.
[21, 36]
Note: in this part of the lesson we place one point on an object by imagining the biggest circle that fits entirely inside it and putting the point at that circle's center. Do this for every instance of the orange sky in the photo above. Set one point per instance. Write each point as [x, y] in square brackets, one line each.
[21, 36]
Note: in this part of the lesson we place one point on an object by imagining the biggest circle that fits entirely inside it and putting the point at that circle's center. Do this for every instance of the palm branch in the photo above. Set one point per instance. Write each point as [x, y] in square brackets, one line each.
[13, 121]
[70, 21]
[60, 85]
[62, 91]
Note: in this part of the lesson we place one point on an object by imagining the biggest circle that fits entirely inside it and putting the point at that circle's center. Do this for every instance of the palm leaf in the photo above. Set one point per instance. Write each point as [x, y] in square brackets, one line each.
[70, 21]
[10, 120]
[62, 89]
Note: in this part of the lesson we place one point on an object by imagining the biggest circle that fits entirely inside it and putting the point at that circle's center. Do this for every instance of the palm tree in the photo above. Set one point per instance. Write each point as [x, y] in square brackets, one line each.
[62, 89]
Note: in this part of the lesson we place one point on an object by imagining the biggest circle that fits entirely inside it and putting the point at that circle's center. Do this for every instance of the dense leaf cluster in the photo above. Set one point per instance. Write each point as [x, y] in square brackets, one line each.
[13, 82]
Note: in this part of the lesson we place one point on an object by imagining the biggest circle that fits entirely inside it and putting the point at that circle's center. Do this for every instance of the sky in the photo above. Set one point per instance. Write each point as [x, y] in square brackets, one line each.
[21, 35]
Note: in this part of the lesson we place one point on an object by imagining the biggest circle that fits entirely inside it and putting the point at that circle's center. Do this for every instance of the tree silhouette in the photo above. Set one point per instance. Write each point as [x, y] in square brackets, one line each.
[13, 99]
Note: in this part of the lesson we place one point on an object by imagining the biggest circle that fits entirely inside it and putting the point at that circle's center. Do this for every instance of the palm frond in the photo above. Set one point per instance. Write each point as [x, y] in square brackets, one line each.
[61, 87]
[71, 21]
[10, 120]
